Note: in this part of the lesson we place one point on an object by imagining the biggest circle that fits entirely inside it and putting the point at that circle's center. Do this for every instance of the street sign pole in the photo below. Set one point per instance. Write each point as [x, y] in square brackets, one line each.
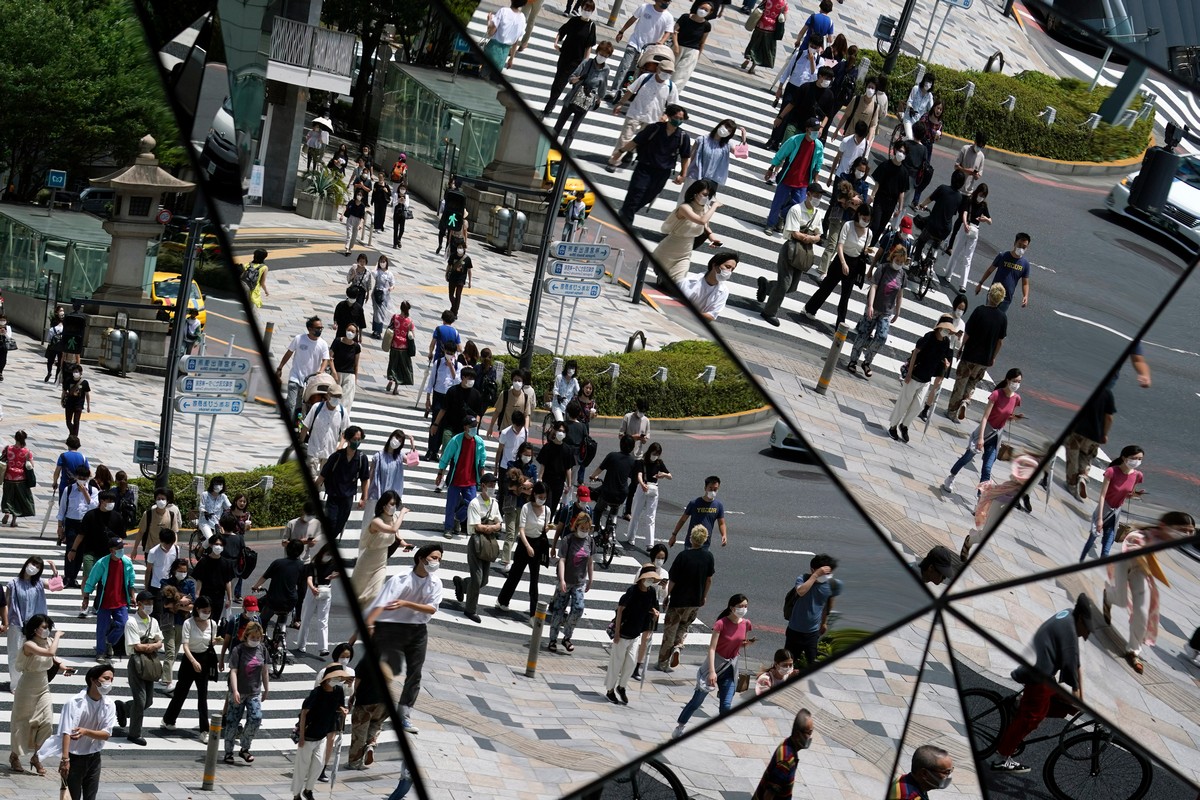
[938, 37]
[570, 324]
[212, 424]
[889, 63]
[535, 292]
[181, 306]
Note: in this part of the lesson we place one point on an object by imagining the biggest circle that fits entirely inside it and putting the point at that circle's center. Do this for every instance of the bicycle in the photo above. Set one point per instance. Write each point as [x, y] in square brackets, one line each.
[604, 534]
[920, 270]
[277, 644]
[649, 780]
[1089, 760]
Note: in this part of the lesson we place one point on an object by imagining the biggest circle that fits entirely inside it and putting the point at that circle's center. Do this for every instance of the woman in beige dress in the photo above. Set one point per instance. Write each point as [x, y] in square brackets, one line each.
[32, 711]
[380, 532]
[689, 220]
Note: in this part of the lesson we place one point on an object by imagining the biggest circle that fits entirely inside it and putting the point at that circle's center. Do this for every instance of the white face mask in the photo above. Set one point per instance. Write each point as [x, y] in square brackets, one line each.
[658, 562]
[926, 86]
[710, 495]
[204, 614]
[958, 313]
[723, 274]
[526, 459]
[570, 373]
[1019, 251]
[740, 611]
[585, 14]
[333, 402]
[580, 533]
[559, 437]
[160, 504]
[600, 61]
[432, 566]
[1015, 385]
[646, 584]
[31, 570]
[869, 92]
[394, 443]
[823, 578]
[897, 158]
[467, 384]
[518, 385]
[43, 633]
[349, 337]
[702, 13]
[539, 501]
[944, 783]
[824, 83]
[724, 131]
[460, 252]
[254, 642]
[389, 509]
[1134, 463]
[145, 610]
[345, 662]
[107, 506]
[218, 549]
[860, 174]
[180, 576]
[104, 687]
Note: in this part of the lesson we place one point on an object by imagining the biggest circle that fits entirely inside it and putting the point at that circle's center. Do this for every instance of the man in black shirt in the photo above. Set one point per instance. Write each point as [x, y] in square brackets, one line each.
[284, 575]
[461, 399]
[945, 200]
[342, 471]
[96, 529]
[212, 575]
[814, 99]
[916, 160]
[618, 468]
[891, 184]
[658, 146]
[930, 358]
[574, 42]
[986, 328]
[691, 578]
[1089, 432]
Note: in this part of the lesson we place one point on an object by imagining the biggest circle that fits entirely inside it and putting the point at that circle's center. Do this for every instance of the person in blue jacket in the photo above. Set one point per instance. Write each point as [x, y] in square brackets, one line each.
[463, 460]
[803, 155]
[112, 576]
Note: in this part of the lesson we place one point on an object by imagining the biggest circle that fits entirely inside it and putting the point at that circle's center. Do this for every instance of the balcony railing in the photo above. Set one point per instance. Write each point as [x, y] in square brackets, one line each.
[312, 48]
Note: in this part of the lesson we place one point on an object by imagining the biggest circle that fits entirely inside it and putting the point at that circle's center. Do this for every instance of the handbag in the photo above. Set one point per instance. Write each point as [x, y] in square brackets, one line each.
[1005, 453]
[30, 475]
[408, 214]
[146, 666]
[743, 681]
[411, 459]
[741, 151]
[55, 584]
[779, 25]
[752, 20]
[410, 346]
[377, 296]
[385, 343]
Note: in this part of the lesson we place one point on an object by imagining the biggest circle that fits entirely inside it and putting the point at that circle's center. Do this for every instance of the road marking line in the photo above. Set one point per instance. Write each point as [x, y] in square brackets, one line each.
[1122, 335]
[784, 552]
[815, 516]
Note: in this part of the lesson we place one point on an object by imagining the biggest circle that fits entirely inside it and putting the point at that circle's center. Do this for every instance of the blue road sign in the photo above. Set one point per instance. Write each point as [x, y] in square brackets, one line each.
[580, 251]
[57, 179]
[209, 405]
[220, 365]
[582, 290]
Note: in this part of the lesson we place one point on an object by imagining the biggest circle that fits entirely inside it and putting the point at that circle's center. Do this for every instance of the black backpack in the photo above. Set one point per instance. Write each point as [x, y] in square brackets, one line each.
[587, 450]
[247, 561]
[129, 514]
[789, 602]
[488, 388]
[250, 275]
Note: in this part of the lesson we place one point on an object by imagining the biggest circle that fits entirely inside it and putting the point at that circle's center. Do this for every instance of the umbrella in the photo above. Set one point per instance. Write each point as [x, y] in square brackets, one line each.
[337, 749]
[933, 405]
[324, 122]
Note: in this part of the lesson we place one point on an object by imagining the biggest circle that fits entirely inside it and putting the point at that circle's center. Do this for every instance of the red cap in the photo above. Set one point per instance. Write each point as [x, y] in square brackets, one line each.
[250, 603]
[906, 225]
[583, 494]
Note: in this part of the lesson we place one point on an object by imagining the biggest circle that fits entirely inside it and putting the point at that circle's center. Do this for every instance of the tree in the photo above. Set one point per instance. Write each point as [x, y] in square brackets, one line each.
[76, 87]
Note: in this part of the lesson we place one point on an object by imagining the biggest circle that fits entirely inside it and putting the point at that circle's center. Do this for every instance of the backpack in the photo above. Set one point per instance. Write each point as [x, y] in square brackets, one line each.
[789, 602]
[399, 172]
[129, 513]
[247, 561]
[587, 450]
[488, 389]
[250, 275]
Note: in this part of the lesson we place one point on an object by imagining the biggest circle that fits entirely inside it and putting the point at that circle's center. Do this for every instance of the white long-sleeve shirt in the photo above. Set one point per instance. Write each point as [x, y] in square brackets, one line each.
[412, 587]
[74, 503]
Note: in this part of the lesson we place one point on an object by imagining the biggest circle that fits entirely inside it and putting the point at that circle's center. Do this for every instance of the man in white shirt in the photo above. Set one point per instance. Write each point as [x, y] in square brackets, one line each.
[84, 726]
[803, 230]
[309, 356]
[648, 98]
[651, 25]
[159, 560]
[398, 619]
[324, 426]
[970, 163]
[142, 637]
[511, 439]
[76, 499]
[851, 148]
[708, 292]
[636, 425]
[483, 520]
[801, 68]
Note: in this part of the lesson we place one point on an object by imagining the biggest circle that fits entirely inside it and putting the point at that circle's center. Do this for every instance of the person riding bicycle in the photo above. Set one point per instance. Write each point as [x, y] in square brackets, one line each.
[945, 200]
[887, 242]
[618, 468]
[285, 575]
[1055, 653]
[569, 511]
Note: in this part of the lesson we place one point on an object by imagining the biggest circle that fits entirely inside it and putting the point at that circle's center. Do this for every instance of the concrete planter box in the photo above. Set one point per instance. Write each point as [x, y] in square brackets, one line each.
[309, 206]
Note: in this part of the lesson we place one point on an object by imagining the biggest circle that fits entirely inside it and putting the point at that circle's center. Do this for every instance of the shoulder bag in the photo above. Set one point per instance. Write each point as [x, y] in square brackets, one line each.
[30, 475]
[487, 545]
[752, 20]
[146, 666]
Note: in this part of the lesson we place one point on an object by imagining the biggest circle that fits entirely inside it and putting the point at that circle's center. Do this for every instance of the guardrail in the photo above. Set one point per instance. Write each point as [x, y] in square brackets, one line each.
[312, 47]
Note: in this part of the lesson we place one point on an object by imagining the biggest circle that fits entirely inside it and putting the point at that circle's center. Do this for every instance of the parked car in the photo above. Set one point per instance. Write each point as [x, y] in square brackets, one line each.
[95, 200]
[1180, 217]
[783, 440]
[164, 291]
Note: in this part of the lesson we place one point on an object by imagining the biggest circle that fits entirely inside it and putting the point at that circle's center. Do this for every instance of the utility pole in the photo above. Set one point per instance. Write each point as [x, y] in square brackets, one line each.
[182, 303]
[889, 63]
[535, 294]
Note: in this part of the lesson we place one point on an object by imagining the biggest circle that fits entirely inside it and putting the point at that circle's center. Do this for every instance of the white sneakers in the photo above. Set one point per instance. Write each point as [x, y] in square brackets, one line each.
[948, 484]
[675, 734]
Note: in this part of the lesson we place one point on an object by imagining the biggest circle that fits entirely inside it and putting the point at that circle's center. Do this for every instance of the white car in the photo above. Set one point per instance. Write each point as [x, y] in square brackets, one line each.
[782, 439]
[1181, 216]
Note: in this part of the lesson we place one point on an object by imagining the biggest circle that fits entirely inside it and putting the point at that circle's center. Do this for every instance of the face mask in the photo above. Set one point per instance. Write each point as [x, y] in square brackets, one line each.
[470, 431]
[646, 584]
[740, 612]
[31, 570]
[897, 158]
[944, 783]
[432, 566]
[333, 402]
[805, 743]
[570, 373]
[782, 670]
[217, 549]
[1015, 385]
[1018, 252]
[353, 444]
[661, 77]
[860, 174]
[581, 533]
[394, 443]
[76, 373]
[345, 662]
[558, 437]
[599, 59]
[518, 386]
[460, 252]
[927, 86]
[823, 578]
[254, 642]
[539, 501]
[702, 13]
[467, 384]
[349, 337]
[710, 495]
[218, 488]
[723, 274]
[958, 313]
[1134, 463]
[145, 610]
[104, 687]
[824, 84]
[160, 504]
[390, 509]
[43, 633]
[107, 506]
[180, 576]
[864, 222]
[869, 92]
[658, 562]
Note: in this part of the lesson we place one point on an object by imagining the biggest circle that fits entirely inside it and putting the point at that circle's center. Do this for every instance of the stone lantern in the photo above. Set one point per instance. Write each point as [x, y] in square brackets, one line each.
[133, 226]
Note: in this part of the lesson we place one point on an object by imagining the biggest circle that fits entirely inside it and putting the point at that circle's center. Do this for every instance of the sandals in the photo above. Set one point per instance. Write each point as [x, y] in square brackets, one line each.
[1135, 662]
[552, 647]
[245, 755]
[867, 370]
[228, 758]
[36, 763]
[852, 367]
[14, 764]
[568, 645]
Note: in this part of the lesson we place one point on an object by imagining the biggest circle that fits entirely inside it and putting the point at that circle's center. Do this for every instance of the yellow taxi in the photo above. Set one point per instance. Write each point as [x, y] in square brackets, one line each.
[574, 185]
[164, 291]
[210, 245]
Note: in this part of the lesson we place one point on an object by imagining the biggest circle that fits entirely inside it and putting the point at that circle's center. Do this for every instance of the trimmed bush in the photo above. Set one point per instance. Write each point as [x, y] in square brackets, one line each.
[681, 396]
[288, 496]
[1023, 131]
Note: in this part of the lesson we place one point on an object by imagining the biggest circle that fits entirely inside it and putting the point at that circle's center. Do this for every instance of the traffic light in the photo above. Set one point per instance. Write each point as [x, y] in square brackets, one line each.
[74, 332]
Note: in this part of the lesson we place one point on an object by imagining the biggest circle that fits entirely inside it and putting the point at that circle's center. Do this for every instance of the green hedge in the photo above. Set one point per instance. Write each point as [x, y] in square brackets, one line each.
[287, 500]
[1022, 131]
[681, 396]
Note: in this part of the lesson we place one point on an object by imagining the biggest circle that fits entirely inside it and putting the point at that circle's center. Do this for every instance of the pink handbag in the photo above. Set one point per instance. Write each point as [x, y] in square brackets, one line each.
[411, 459]
[741, 151]
[55, 584]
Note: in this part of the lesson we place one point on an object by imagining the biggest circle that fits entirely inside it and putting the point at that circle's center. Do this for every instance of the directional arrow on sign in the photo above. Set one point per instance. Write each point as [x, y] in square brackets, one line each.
[213, 385]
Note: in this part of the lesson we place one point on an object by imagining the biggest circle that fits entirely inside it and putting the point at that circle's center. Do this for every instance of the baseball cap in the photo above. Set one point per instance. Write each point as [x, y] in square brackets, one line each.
[469, 420]
[816, 188]
[249, 603]
[583, 494]
[906, 225]
[812, 124]
[944, 326]
[116, 541]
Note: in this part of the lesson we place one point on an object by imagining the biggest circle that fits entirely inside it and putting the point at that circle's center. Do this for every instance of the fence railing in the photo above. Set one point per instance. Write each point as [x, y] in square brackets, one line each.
[313, 48]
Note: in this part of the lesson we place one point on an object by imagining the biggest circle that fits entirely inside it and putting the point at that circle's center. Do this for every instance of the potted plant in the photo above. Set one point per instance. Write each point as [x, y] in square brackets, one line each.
[323, 195]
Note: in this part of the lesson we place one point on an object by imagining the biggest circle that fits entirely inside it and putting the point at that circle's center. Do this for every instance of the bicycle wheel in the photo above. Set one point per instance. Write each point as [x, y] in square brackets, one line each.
[610, 549]
[925, 282]
[1095, 765]
[278, 656]
[655, 781]
[987, 716]
[196, 547]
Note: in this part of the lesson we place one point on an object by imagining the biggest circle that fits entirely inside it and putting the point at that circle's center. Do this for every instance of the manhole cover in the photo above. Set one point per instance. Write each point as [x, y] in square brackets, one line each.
[802, 475]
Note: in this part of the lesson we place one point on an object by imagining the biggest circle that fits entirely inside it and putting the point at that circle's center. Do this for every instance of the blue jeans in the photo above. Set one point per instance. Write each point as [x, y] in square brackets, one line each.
[991, 448]
[110, 627]
[1110, 533]
[457, 500]
[559, 618]
[726, 687]
[785, 198]
[401, 790]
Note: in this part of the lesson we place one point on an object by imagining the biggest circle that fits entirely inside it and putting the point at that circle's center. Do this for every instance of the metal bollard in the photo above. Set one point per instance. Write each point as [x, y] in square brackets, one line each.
[835, 349]
[267, 333]
[210, 757]
[535, 641]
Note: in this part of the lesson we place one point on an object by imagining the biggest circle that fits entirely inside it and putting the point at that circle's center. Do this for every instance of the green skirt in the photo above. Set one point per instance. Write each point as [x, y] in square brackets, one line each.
[400, 367]
[18, 500]
[761, 49]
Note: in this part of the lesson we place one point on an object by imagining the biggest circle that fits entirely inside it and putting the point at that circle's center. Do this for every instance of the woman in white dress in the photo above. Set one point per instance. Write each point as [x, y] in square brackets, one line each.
[379, 534]
[32, 712]
[689, 220]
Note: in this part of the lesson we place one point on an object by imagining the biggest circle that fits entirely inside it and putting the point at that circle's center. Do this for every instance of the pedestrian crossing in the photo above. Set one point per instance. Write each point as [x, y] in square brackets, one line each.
[745, 197]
